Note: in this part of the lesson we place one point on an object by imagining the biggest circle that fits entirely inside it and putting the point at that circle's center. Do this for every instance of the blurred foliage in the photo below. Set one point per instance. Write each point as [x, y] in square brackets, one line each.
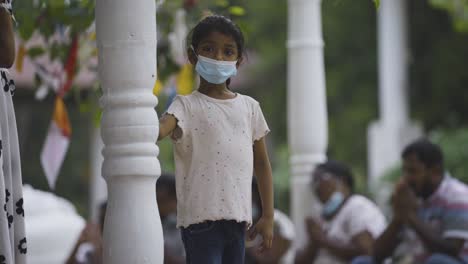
[458, 10]
[438, 74]
[454, 146]
[47, 16]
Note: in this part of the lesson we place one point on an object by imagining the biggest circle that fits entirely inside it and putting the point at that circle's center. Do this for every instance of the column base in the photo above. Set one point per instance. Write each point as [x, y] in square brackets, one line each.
[384, 144]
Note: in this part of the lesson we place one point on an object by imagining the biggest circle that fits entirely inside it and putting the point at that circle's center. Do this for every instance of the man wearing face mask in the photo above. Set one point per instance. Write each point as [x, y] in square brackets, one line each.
[430, 212]
[349, 222]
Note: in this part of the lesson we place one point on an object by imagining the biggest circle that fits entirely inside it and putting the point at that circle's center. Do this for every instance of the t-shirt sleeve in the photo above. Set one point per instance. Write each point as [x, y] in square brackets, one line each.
[259, 124]
[455, 221]
[285, 225]
[178, 109]
[366, 217]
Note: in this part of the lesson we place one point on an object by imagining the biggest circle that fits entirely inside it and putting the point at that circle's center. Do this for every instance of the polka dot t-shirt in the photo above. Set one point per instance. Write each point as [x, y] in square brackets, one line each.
[213, 153]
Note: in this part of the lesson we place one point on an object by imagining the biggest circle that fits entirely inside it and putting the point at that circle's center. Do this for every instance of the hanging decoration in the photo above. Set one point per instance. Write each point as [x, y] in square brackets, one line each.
[56, 144]
[20, 58]
[70, 67]
[184, 79]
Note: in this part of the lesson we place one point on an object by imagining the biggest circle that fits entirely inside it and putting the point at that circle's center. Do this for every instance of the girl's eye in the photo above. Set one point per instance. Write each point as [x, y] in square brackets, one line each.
[207, 49]
[229, 52]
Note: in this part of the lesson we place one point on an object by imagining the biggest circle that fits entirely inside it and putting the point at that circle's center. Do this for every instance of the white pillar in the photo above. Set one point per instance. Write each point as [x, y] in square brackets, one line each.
[307, 113]
[388, 135]
[126, 35]
[97, 185]
[393, 62]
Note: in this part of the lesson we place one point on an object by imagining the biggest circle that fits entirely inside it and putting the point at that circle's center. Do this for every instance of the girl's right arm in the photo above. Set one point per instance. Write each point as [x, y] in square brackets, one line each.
[167, 124]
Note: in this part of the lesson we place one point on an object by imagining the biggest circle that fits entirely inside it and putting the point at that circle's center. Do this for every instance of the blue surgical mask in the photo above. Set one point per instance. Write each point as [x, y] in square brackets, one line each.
[215, 71]
[333, 204]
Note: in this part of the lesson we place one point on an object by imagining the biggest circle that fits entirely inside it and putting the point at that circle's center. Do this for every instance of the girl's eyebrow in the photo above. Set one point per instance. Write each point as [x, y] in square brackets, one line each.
[206, 42]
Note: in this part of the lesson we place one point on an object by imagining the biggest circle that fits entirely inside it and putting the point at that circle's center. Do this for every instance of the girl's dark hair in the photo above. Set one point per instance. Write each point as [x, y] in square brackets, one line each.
[338, 170]
[216, 23]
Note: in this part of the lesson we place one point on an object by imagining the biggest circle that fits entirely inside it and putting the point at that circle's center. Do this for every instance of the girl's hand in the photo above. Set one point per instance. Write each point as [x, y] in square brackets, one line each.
[264, 227]
[167, 124]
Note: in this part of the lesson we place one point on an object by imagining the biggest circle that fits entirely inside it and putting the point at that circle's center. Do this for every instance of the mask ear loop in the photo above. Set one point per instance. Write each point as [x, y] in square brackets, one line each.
[193, 49]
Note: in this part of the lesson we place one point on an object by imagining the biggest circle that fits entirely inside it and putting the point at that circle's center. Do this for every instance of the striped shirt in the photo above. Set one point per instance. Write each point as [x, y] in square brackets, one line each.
[446, 212]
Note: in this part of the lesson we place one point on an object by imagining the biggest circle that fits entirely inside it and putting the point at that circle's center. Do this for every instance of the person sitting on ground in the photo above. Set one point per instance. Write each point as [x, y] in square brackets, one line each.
[430, 212]
[89, 247]
[174, 252]
[349, 222]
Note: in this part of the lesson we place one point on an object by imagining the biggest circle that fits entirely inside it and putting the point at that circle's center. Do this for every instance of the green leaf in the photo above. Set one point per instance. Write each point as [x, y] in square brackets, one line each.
[222, 3]
[377, 3]
[237, 11]
[57, 3]
[35, 51]
[26, 30]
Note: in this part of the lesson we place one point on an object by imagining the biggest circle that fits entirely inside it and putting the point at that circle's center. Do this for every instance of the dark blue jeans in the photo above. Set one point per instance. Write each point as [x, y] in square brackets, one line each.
[214, 242]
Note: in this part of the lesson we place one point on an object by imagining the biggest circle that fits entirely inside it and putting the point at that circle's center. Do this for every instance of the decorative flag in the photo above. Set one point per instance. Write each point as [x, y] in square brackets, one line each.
[184, 79]
[56, 143]
[158, 86]
[70, 67]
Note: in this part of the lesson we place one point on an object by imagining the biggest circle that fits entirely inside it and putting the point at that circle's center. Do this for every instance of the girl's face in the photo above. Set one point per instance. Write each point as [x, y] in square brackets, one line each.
[218, 46]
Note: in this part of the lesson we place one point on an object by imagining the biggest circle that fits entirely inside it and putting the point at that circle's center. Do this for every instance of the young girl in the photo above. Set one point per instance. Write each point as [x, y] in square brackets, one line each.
[219, 144]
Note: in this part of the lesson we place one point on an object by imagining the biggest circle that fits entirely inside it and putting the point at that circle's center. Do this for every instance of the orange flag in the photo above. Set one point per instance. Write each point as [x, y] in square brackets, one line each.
[56, 143]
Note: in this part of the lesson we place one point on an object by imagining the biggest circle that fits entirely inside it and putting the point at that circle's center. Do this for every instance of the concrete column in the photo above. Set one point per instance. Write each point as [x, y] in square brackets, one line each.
[97, 185]
[126, 36]
[388, 135]
[307, 110]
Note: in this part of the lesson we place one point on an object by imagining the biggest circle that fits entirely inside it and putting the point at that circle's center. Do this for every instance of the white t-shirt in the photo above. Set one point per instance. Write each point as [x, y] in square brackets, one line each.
[357, 215]
[214, 156]
[286, 230]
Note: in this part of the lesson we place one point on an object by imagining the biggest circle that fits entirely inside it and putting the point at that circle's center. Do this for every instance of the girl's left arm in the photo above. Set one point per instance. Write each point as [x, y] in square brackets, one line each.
[262, 169]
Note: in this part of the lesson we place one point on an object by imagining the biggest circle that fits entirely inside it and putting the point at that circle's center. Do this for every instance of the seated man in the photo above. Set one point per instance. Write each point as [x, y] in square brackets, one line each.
[349, 222]
[430, 213]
